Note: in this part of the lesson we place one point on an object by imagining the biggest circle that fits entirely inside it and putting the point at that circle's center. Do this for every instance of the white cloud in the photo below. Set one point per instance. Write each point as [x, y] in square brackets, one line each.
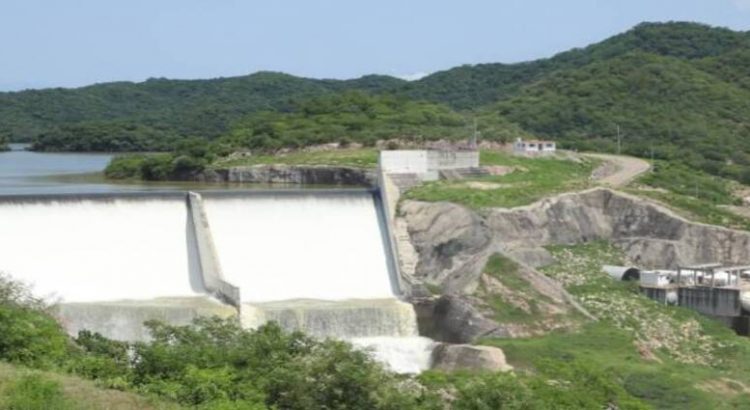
[743, 5]
[421, 74]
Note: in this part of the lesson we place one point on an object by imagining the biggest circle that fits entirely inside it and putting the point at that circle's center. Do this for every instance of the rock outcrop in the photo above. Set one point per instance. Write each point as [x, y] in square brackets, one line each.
[453, 244]
[291, 174]
[450, 358]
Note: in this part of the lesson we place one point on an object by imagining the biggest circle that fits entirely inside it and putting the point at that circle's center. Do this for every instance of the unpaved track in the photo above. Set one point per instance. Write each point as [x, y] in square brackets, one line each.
[627, 169]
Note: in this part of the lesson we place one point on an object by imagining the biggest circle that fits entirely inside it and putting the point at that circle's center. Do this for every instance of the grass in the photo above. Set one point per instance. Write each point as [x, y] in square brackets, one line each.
[24, 389]
[522, 307]
[531, 180]
[354, 157]
[693, 194]
[669, 357]
[697, 209]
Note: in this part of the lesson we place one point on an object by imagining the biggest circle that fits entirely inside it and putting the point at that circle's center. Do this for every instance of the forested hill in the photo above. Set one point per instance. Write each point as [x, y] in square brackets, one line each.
[676, 90]
[183, 107]
[473, 86]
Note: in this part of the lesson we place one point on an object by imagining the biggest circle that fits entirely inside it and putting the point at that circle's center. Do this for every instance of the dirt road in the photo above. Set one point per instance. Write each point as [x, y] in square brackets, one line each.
[625, 169]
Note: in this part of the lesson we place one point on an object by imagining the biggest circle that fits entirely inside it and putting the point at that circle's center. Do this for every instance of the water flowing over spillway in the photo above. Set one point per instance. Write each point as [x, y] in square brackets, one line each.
[277, 247]
[99, 250]
[317, 262]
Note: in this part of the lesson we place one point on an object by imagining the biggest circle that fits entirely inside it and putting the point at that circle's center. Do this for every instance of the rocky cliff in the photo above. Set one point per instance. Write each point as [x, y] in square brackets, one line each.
[290, 174]
[454, 243]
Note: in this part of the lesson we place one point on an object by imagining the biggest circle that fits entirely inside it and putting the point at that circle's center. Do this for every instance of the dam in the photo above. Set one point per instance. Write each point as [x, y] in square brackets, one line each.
[313, 260]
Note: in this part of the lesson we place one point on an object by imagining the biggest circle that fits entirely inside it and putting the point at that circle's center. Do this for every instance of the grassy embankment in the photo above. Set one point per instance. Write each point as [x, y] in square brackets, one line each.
[531, 179]
[693, 194]
[668, 357]
[25, 389]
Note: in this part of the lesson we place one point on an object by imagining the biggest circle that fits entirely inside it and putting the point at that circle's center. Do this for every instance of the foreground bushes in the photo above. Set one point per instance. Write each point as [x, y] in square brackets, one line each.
[215, 364]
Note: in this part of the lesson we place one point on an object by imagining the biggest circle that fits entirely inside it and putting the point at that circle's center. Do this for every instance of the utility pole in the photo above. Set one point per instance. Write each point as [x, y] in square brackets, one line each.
[619, 140]
[652, 158]
[474, 136]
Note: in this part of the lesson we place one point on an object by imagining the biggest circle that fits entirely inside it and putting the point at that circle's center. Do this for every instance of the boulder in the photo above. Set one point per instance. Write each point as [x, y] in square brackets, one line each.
[448, 357]
[454, 319]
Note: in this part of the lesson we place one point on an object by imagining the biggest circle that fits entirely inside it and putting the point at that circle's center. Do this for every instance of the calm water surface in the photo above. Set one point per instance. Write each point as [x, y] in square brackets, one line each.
[29, 173]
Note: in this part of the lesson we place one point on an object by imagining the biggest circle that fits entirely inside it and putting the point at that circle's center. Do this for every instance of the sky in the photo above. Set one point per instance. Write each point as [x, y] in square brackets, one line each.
[54, 43]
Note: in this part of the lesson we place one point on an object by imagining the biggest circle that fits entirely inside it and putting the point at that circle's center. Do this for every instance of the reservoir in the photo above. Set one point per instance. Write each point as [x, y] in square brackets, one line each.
[25, 172]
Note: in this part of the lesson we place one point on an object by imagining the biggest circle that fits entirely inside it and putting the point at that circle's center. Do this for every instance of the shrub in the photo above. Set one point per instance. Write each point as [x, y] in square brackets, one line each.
[28, 334]
[34, 392]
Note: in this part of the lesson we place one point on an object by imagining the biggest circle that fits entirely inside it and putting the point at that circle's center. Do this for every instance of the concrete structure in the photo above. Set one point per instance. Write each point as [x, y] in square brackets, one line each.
[213, 279]
[533, 147]
[622, 272]
[710, 288]
[427, 164]
[323, 261]
[656, 278]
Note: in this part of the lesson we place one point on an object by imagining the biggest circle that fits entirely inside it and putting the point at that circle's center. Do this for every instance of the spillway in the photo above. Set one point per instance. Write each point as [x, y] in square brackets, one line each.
[317, 261]
[307, 246]
[88, 250]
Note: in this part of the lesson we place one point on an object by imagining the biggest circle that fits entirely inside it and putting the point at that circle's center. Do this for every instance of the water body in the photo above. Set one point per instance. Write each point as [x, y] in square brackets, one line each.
[25, 172]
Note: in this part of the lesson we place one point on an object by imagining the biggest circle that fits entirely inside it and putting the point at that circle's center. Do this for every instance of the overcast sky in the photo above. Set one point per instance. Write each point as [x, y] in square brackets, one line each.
[70, 43]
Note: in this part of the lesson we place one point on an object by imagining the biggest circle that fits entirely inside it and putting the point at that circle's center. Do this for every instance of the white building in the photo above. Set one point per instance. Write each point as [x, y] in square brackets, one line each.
[533, 147]
[426, 163]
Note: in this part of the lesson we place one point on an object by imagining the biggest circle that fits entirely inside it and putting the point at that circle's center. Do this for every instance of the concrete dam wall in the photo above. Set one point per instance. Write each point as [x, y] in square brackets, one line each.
[318, 261]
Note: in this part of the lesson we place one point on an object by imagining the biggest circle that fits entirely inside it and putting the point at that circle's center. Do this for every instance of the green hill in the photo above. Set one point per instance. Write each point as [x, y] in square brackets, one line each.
[472, 86]
[185, 107]
[678, 91]
[663, 105]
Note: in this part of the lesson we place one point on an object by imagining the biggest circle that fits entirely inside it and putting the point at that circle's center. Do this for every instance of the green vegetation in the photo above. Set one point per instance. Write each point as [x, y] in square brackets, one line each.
[345, 118]
[529, 179]
[668, 357]
[112, 136]
[34, 392]
[189, 157]
[694, 194]
[678, 91]
[351, 157]
[204, 108]
[510, 296]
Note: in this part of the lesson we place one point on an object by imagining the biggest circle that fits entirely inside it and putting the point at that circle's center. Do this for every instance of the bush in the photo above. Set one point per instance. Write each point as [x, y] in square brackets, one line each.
[215, 360]
[125, 166]
[28, 334]
[34, 392]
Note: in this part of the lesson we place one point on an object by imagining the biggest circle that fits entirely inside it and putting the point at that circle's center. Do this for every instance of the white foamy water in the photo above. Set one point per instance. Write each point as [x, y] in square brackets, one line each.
[94, 250]
[400, 354]
[280, 247]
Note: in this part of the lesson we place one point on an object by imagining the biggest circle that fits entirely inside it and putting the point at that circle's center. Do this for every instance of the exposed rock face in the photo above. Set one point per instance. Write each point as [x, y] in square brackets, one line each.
[291, 174]
[451, 241]
[454, 243]
[651, 235]
[455, 319]
[467, 357]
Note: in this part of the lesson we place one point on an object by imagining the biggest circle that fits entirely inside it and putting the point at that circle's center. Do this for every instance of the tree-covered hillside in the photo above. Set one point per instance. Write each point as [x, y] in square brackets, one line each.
[662, 105]
[473, 86]
[354, 116]
[678, 91]
[186, 107]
